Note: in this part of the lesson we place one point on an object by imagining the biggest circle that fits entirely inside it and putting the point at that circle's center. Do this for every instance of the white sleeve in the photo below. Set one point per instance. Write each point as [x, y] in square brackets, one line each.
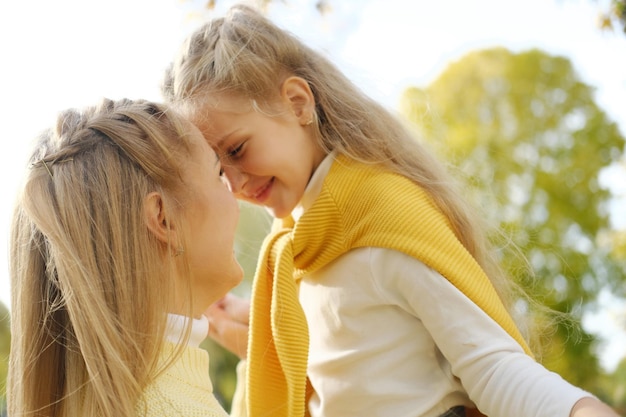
[493, 368]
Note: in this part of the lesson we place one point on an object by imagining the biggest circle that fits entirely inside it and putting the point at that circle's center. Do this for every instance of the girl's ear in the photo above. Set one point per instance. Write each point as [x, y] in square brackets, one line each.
[157, 220]
[297, 93]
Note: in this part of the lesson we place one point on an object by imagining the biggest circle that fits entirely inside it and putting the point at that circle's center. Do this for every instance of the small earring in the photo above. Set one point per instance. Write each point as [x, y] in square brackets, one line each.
[179, 251]
[309, 123]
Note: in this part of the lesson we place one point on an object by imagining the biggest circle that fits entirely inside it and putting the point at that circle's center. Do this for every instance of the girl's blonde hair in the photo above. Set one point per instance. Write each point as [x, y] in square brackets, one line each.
[245, 55]
[89, 287]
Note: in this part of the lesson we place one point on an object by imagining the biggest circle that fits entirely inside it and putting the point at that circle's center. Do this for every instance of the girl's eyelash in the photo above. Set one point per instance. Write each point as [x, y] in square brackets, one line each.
[234, 151]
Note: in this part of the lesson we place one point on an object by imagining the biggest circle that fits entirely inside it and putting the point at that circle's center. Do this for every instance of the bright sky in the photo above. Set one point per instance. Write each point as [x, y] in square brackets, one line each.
[70, 53]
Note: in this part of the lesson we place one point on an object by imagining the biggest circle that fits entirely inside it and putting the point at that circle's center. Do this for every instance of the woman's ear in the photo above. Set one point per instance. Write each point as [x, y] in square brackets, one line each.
[297, 93]
[157, 219]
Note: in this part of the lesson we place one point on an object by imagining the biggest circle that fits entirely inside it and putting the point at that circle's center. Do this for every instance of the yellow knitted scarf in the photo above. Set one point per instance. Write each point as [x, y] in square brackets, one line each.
[359, 206]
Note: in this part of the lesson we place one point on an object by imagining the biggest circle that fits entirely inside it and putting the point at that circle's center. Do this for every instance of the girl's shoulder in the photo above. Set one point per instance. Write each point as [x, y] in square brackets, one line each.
[353, 183]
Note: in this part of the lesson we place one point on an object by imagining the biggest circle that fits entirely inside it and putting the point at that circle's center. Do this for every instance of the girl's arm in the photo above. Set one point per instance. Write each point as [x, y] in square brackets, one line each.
[498, 376]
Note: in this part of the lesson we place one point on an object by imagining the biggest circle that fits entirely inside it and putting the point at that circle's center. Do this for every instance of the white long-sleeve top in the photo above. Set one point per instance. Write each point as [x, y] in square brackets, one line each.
[391, 337]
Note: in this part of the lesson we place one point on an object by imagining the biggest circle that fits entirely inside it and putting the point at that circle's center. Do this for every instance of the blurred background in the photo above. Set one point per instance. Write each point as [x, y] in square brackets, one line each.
[524, 99]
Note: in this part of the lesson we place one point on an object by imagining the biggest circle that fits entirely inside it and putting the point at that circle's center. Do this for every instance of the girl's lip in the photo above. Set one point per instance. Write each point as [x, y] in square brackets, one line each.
[263, 193]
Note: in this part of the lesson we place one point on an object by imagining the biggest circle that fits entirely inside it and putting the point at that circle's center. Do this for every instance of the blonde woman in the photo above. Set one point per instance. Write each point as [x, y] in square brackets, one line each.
[375, 294]
[122, 236]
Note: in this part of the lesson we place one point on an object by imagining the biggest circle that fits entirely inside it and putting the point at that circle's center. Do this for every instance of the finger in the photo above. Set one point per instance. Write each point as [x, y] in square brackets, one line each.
[238, 308]
[216, 310]
[230, 334]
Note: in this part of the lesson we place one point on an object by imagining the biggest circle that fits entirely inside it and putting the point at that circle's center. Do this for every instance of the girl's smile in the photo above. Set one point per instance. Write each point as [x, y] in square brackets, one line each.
[264, 192]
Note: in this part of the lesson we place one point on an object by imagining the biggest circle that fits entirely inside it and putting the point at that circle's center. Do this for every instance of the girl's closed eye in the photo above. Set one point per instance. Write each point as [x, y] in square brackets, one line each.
[235, 151]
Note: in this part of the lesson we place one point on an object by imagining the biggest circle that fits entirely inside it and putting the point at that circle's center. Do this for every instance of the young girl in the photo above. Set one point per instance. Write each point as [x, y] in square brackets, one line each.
[122, 236]
[375, 293]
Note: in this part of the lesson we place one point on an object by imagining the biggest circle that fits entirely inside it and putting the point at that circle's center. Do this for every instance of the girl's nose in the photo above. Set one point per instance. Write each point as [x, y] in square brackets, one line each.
[234, 178]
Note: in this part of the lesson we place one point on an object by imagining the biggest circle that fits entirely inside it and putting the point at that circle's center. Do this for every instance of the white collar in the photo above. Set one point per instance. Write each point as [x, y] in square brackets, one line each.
[176, 325]
[314, 187]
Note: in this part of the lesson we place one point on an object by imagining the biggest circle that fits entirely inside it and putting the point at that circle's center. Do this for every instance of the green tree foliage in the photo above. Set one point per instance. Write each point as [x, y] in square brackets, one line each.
[618, 239]
[614, 17]
[5, 344]
[529, 137]
[222, 372]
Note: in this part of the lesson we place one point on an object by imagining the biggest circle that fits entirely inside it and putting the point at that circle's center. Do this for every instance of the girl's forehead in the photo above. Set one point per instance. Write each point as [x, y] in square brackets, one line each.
[215, 124]
[226, 103]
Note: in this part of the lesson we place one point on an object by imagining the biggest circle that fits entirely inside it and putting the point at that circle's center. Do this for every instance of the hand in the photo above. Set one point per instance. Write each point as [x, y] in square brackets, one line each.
[229, 320]
[591, 407]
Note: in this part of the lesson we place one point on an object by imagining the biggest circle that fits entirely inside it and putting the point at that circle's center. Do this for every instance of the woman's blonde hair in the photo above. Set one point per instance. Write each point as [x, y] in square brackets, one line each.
[89, 287]
[245, 55]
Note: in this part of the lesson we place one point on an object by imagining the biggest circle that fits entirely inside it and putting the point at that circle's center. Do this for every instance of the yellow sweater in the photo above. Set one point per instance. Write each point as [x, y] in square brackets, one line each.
[184, 389]
[358, 206]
